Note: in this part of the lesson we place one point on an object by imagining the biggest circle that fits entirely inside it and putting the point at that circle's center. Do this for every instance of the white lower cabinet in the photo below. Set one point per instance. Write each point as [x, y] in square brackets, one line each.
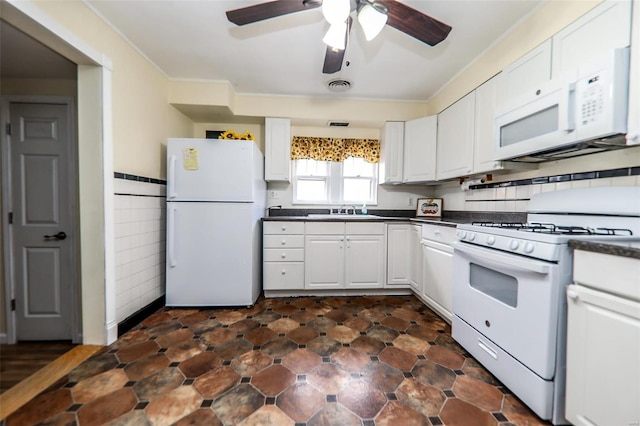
[283, 256]
[415, 258]
[437, 268]
[344, 255]
[603, 341]
[398, 254]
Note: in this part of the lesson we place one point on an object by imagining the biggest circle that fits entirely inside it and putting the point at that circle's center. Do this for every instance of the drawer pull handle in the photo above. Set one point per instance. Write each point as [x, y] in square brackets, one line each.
[572, 295]
[284, 228]
[487, 349]
[284, 255]
[284, 242]
[284, 271]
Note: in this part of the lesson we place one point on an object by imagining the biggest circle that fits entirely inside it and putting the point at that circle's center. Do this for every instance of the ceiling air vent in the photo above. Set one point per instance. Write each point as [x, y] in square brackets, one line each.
[339, 85]
[338, 124]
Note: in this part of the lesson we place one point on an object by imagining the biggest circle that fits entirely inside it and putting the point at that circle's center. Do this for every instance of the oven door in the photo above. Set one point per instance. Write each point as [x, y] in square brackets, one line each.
[512, 300]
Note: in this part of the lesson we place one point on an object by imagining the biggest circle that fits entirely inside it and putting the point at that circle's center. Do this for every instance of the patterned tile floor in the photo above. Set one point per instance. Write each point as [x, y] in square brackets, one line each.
[294, 361]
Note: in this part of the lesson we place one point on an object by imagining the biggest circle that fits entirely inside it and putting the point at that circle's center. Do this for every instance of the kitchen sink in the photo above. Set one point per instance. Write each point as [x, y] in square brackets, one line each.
[339, 216]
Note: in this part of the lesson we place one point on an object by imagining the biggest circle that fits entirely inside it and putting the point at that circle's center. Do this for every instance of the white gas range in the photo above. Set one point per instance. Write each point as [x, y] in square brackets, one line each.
[509, 285]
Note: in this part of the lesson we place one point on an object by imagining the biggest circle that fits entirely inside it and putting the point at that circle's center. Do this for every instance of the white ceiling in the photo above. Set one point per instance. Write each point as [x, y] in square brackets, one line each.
[190, 39]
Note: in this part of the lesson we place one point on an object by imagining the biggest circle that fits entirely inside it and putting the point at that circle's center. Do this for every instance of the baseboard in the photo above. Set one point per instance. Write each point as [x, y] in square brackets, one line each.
[4, 339]
[140, 315]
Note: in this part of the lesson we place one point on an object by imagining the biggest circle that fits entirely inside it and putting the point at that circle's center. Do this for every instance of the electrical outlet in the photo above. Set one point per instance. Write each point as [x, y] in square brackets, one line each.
[409, 201]
[274, 195]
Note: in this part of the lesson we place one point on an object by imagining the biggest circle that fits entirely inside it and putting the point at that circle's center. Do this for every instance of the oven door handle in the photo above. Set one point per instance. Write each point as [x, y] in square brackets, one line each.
[512, 261]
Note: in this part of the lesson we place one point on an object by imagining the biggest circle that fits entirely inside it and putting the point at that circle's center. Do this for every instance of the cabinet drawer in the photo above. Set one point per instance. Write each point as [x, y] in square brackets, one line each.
[283, 255]
[282, 241]
[283, 276]
[324, 228]
[283, 228]
[441, 234]
[371, 228]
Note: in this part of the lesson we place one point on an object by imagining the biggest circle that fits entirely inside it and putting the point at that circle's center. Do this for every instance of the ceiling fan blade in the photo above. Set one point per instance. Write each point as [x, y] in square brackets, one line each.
[270, 9]
[415, 23]
[333, 58]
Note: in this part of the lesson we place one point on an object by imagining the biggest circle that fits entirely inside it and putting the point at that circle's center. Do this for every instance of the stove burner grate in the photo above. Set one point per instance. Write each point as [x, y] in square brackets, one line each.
[550, 228]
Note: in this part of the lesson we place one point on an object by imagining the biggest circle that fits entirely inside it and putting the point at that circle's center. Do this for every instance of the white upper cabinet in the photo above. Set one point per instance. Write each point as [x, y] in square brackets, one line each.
[456, 128]
[485, 126]
[526, 75]
[605, 27]
[391, 152]
[277, 147]
[633, 125]
[420, 149]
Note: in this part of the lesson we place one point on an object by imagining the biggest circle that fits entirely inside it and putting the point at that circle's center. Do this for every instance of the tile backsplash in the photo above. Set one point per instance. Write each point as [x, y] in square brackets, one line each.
[513, 196]
[139, 221]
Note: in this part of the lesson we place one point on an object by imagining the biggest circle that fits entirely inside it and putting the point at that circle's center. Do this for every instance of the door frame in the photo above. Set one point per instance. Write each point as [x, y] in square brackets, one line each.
[7, 206]
[96, 262]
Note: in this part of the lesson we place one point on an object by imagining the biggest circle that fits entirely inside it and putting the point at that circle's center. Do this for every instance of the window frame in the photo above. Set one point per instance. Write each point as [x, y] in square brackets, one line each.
[334, 190]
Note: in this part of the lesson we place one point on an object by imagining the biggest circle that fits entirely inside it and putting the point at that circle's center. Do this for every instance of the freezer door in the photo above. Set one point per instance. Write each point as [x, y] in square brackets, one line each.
[213, 254]
[213, 170]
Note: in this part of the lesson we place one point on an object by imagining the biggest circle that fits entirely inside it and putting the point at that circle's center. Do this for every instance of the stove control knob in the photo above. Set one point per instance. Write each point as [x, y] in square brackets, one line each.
[472, 236]
[514, 244]
[528, 247]
[491, 240]
[463, 235]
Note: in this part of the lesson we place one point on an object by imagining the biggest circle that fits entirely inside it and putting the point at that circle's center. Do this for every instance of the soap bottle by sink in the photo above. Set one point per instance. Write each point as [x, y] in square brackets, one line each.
[364, 208]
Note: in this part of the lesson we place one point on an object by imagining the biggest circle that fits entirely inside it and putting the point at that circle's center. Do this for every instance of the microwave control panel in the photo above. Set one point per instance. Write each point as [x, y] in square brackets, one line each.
[592, 104]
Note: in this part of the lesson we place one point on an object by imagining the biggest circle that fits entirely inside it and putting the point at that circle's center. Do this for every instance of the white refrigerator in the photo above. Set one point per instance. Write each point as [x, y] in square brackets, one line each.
[216, 196]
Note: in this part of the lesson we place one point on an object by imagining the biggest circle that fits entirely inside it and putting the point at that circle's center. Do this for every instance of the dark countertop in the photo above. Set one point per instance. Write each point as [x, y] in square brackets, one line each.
[355, 218]
[621, 248]
[450, 218]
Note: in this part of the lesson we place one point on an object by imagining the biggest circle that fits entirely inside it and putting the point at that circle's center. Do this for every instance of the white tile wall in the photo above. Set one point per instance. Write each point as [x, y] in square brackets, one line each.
[139, 217]
[515, 199]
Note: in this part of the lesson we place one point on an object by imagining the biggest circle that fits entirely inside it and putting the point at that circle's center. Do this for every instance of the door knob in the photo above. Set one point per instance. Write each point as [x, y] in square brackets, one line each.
[59, 236]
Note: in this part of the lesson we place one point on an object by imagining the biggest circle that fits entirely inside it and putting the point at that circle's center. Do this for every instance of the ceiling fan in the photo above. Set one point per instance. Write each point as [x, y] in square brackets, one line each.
[372, 16]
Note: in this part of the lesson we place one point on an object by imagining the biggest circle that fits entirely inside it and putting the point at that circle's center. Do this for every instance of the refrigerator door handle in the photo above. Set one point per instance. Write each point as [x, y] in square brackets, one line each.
[172, 176]
[172, 237]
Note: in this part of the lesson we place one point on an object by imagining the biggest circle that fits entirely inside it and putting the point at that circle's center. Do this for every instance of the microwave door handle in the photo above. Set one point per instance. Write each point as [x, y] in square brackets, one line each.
[566, 112]
[502, 260]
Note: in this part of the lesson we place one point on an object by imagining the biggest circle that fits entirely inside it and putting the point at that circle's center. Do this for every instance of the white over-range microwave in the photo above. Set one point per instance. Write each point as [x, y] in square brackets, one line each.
[568, 116]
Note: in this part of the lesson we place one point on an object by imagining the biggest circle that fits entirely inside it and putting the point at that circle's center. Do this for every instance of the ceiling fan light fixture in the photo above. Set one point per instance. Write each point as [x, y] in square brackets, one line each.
[335, 37]
[336, 11]
[372, 18]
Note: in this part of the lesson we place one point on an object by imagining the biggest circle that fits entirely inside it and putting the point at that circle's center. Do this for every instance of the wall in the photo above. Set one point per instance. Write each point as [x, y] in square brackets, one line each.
[140, 223]
[142, 116]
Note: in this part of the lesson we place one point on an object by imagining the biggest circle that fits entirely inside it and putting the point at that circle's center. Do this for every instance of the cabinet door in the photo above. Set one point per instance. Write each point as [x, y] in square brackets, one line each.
[420, 149]
[456, 128]
[605, 27]
[415, 262]
[437, 264]
[484, 140]
[525, 75]
[277, 146]
[603, 358]
[398, 254]
[392, 152]
[324, 261]
[364, 261]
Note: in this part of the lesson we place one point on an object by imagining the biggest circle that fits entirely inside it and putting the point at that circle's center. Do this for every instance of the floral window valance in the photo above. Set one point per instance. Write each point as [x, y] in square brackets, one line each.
[334, 149]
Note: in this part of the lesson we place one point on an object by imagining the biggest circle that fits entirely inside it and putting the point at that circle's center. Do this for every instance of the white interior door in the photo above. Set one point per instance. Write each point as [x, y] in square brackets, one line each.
[43, 228]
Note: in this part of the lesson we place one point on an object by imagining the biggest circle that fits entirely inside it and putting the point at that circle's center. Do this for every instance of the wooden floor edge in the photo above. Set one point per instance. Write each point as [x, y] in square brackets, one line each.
[29, 388]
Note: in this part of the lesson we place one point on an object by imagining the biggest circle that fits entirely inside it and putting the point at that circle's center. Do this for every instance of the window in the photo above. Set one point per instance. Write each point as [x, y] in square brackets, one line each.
[353, 181]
